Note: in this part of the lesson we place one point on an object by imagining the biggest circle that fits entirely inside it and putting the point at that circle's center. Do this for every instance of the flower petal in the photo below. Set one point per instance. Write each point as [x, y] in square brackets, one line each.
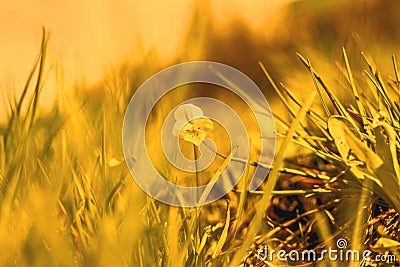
[187, 112]
[204, 123]
[196, 138]
[186, 129]
[178, 126]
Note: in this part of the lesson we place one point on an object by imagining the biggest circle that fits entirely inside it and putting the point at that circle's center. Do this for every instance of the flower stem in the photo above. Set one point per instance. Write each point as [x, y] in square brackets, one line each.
[196, 156]
[198, 214]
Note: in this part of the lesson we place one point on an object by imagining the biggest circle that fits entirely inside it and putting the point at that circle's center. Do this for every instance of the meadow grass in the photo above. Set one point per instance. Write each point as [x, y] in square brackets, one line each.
[68, 199]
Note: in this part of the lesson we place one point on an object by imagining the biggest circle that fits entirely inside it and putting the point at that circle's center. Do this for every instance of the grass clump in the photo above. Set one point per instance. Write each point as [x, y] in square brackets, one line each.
[355, 142]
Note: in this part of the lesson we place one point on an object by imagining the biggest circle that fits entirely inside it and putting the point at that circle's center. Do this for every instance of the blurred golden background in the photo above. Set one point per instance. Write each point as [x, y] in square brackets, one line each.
[89, 38]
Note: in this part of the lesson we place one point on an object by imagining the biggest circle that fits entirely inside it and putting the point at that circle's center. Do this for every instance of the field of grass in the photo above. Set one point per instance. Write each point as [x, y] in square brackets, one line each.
[68, 199]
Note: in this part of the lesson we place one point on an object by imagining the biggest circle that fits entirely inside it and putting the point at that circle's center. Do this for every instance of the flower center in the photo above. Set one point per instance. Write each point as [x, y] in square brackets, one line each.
[194, 131]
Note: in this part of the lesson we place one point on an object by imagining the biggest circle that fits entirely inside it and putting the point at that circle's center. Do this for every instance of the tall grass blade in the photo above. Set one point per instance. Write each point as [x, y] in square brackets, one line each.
[256, 223]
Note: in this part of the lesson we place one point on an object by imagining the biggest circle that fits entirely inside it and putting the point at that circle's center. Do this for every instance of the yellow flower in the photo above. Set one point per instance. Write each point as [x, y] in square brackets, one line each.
[191, 125]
